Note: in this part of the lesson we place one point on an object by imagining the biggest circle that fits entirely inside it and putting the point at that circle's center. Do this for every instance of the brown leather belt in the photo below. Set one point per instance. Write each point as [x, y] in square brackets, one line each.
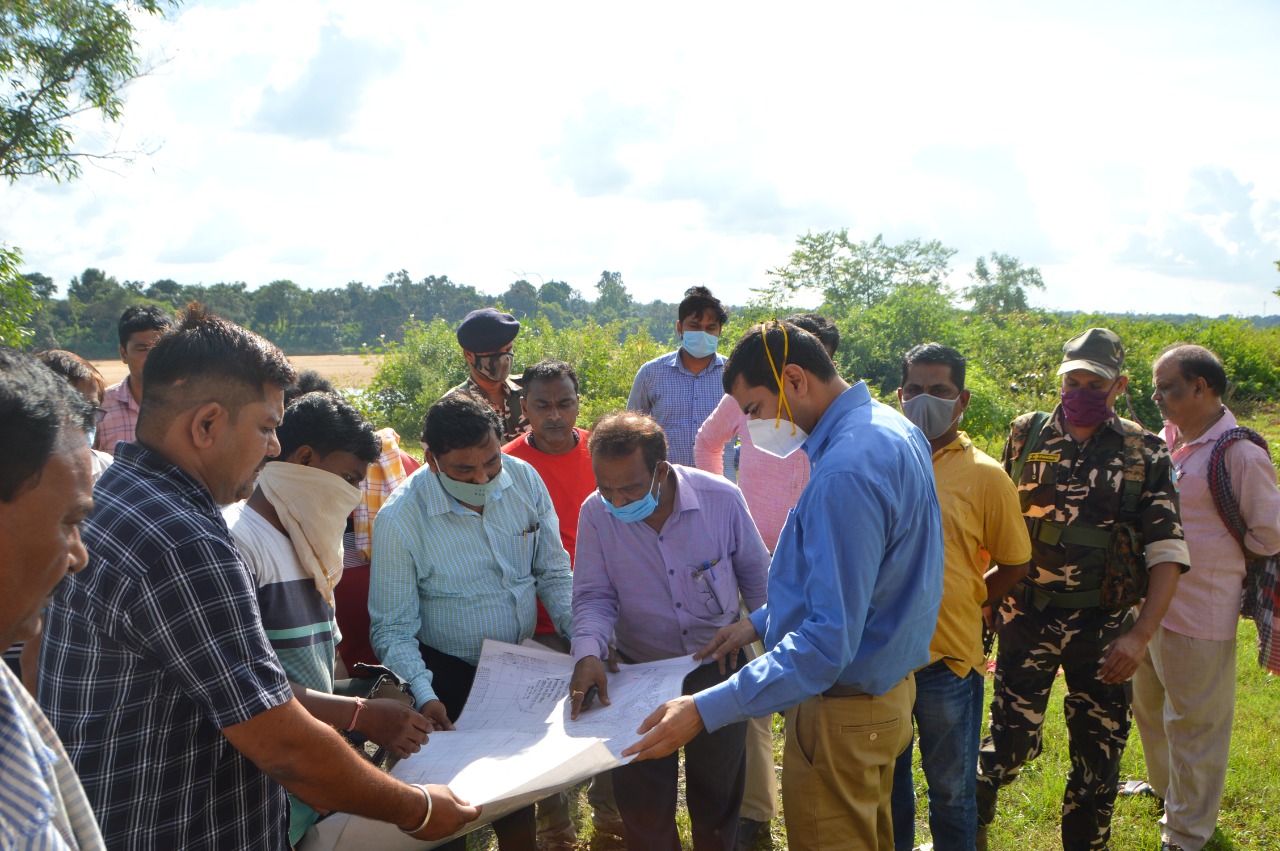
[843, 691]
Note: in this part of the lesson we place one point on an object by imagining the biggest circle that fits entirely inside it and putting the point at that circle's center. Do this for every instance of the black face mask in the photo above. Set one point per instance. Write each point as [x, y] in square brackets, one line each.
[490, 365]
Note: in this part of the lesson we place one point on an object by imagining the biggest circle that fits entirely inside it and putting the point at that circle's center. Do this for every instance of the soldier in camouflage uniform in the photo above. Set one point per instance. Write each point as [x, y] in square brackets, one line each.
[1075, 500]
[487, 340]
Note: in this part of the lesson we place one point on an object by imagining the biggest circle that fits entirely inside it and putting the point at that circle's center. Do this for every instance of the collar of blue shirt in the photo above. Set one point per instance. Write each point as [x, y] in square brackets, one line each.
[855, 397]
[716, 365]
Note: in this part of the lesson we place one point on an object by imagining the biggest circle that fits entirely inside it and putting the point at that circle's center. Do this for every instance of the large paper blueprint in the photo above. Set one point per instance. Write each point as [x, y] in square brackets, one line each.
[514, 742]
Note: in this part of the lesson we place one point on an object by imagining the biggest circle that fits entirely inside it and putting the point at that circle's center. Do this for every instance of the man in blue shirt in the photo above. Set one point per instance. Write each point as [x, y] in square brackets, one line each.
[854, 589]
[680, 389]
[461, 552]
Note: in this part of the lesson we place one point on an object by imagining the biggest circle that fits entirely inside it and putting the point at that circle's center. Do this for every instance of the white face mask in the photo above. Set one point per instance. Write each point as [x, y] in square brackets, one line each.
[779, 437]
[930, 414]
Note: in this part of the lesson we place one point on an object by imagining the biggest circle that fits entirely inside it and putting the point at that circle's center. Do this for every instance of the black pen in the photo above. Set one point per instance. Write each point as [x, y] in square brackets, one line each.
[590, 696]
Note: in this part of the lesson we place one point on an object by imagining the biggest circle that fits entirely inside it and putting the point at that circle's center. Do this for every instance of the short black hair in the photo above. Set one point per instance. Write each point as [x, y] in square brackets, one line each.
[458, 420]
[142, 317]
[326, 422]
[37, 407]
[208, 359]
[819, 326]
[750, 360]
[619, 434]
[697, 301]
[936, 353]
[549, 369]
[1198, 362]
[73, 368]
[309, 381]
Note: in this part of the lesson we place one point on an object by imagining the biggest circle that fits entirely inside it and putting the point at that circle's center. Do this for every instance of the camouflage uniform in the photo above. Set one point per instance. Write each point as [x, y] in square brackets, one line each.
[514, 422]
[1070, 483]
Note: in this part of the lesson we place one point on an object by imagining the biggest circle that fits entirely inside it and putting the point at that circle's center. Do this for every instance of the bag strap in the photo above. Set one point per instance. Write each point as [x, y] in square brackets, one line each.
[1224, 499]
[1038, 420]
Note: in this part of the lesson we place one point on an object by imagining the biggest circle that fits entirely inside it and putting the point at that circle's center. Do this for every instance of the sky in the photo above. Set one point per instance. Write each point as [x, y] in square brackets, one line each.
[1130, 151]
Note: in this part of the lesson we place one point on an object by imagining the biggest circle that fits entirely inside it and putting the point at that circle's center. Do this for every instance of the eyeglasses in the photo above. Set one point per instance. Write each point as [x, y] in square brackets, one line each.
[702, 579]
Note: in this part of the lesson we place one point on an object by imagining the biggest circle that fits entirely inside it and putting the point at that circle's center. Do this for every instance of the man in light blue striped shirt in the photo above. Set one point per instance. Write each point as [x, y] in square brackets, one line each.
[461, 552]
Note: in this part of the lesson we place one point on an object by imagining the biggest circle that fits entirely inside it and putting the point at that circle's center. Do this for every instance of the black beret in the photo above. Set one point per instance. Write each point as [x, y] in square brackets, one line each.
[487, 330]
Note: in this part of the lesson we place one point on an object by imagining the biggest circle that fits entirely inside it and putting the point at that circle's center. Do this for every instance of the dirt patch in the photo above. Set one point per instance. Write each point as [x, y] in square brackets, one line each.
[342, 370]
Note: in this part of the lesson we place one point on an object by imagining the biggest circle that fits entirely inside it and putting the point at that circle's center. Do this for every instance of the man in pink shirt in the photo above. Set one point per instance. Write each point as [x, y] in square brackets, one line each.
[140, 328]
[1184, 689]
[771, 487]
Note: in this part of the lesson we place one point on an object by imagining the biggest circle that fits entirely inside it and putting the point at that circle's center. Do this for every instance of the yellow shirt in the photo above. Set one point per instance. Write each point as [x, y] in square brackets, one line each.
[981, 521]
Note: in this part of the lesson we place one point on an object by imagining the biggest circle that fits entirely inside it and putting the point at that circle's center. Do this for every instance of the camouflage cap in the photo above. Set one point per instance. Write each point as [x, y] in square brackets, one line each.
[1097, 350]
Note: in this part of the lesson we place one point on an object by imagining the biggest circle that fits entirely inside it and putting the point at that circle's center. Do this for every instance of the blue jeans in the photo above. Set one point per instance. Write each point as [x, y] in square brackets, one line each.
[948, 714]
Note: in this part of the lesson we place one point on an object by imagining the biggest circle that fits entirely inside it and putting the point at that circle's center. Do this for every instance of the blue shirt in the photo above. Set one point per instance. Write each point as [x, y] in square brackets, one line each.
[151, 651]
[678, 400]
[449, 577]
[856, 579]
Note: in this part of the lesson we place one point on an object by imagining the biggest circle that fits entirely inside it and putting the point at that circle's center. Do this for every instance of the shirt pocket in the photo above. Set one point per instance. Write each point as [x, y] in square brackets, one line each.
[710, 593]
[515, 551]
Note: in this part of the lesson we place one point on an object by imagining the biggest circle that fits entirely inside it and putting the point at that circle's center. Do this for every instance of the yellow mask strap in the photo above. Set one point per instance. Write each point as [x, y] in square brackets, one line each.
[777, 375]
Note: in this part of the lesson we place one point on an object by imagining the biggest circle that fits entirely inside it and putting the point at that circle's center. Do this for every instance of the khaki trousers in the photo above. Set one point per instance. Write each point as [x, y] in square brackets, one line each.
[1184, 695]
[760, 801]
[837, 769]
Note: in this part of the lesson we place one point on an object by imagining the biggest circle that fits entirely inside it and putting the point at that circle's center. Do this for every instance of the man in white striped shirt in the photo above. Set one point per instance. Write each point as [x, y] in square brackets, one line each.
[46, 489]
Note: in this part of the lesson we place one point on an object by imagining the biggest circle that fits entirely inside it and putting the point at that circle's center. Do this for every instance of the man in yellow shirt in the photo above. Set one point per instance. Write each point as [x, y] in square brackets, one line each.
[981, 523]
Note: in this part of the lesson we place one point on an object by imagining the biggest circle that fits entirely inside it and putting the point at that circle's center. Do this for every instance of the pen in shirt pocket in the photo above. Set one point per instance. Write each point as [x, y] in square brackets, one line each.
[707, 567]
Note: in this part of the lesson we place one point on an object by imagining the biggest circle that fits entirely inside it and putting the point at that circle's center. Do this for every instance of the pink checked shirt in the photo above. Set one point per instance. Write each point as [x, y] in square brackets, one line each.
[1207, 602]
[771, 485]
[121, 418]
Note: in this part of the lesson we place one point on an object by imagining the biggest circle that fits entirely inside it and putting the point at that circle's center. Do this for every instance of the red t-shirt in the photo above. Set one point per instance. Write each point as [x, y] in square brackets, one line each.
[569, 480]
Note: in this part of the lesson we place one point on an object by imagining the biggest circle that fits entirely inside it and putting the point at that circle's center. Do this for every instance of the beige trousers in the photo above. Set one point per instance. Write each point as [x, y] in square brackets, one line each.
[837, 769]
[1184, 695]
[760, 800]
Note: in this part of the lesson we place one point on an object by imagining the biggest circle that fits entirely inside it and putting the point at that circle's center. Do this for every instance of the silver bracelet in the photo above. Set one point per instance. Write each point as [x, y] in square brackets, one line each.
[428, 816]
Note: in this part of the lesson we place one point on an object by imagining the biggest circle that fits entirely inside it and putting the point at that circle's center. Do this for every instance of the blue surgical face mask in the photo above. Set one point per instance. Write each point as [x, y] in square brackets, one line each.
[92, 434]
[699, 344]
[633, 512]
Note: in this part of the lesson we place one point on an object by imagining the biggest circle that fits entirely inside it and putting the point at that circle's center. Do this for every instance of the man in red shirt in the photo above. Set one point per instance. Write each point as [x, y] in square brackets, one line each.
[557, 449]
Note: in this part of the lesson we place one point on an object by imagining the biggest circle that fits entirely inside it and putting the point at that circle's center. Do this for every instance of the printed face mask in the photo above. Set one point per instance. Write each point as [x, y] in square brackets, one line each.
[1085, 407]
[930, 414]
[633, 512]
[699, 344]
[491, 366]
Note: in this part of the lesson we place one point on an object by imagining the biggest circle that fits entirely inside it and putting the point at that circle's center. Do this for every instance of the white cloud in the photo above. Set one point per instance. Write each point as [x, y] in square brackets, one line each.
[686, 143]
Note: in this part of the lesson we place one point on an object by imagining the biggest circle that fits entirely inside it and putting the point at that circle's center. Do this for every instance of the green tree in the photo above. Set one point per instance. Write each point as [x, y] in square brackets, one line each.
[17, 301]
[62, 59]
[521, 298]
[1002, 289]
[614, 302]
[855, 274]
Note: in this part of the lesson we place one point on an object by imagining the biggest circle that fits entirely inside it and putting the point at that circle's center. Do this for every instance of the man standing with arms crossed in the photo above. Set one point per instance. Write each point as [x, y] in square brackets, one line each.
[853, 596]
[981, 522]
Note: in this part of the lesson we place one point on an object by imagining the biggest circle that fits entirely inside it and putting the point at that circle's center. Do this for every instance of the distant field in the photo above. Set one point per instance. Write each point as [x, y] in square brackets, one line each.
[342, 370]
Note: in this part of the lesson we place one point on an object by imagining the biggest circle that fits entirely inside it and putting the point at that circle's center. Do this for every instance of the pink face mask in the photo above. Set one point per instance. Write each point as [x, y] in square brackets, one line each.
[1085, 407]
